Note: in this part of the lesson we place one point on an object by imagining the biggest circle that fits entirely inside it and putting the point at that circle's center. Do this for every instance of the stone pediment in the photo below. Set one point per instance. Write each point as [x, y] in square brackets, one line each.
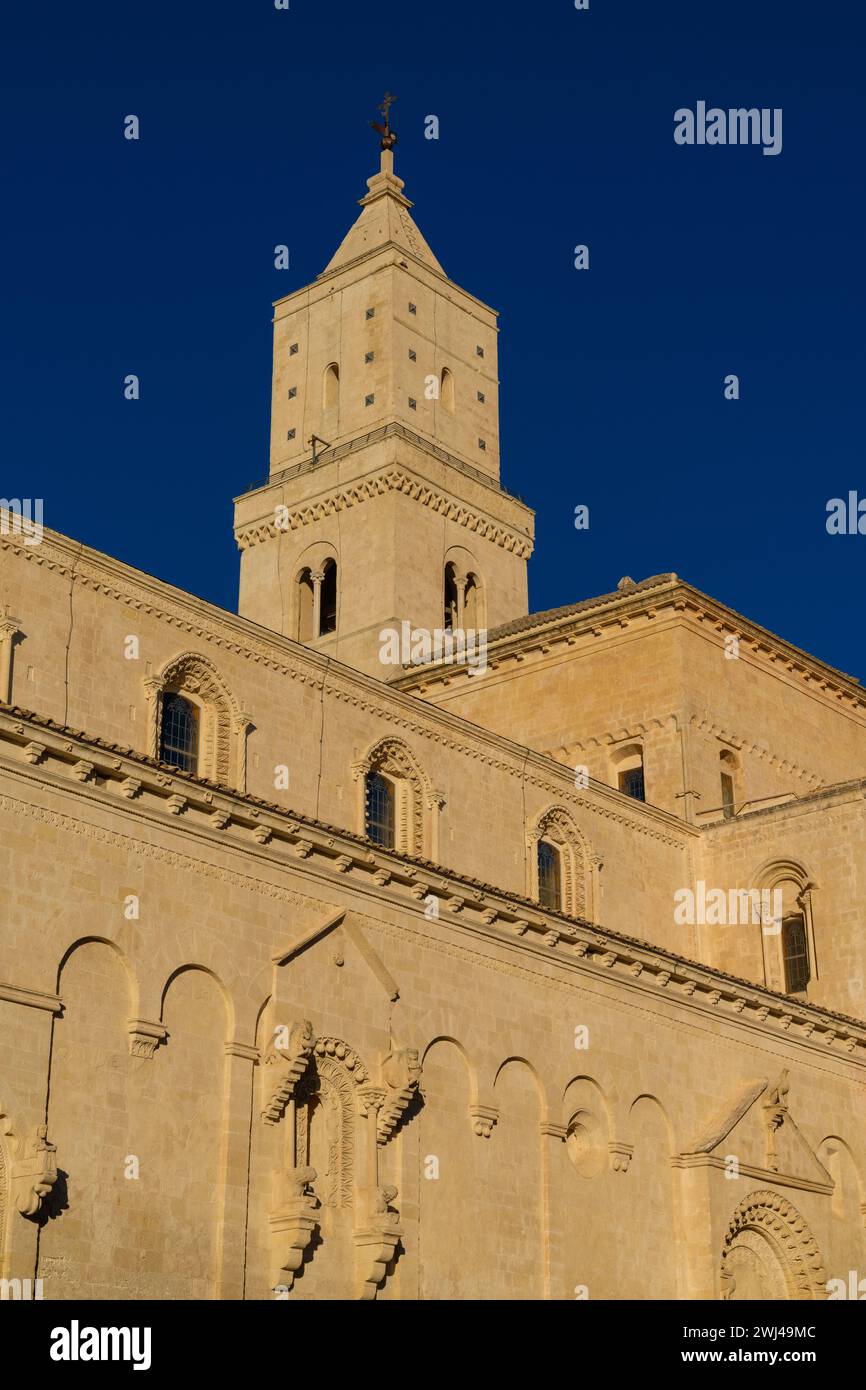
[755, 1126]
[341, 923]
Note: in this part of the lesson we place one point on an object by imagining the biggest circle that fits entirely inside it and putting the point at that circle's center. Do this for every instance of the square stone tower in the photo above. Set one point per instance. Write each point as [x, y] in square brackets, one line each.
[383, 503]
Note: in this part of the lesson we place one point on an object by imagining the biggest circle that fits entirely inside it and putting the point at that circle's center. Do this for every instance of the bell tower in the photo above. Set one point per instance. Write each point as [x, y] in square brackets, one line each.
[383, 503]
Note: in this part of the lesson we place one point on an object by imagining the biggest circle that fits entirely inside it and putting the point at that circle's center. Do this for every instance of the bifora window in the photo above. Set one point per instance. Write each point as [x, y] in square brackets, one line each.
[178, 742]
[379, 810]
[795, 954]
[328, 599]
[549, 876]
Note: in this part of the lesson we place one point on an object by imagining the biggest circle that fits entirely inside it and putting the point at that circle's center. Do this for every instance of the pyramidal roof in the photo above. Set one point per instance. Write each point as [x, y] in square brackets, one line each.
[385, 220]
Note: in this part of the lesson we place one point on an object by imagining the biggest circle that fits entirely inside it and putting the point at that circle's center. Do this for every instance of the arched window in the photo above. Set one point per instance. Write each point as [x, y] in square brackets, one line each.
[558, 864]
[549, 876]
[788, 930]
[379, 809]
[331, 387]
[450, 597]
[328, 599]
[728, 765]
[446, 390]
[629, 770]
[178, 735]
[305, 607]
[470, 603]
[795, 953]
[397, 806]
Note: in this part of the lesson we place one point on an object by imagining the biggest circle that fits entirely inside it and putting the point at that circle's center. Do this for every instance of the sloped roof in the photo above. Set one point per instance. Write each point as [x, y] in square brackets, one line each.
[550, 615]
[384, 221]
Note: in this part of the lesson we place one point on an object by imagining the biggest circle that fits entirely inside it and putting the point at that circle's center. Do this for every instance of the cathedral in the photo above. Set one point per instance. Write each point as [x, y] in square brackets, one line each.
[385, 940]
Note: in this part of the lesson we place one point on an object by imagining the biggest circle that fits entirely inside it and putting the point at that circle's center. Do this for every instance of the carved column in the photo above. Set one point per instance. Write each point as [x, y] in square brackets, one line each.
[242, 728]
[697, 1261]
[9, 629]
[316, 578]
[153, 691]
[460, 586]
[231, 1228]
[553, 1203]
[596, 864]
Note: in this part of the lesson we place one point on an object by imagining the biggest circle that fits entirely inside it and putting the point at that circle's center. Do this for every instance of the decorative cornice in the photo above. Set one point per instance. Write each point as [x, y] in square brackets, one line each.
[613, 613]
[391, 479]
[484, 910]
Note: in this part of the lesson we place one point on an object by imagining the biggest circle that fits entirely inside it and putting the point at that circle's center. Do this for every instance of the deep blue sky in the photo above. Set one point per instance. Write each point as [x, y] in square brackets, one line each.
[156, 258]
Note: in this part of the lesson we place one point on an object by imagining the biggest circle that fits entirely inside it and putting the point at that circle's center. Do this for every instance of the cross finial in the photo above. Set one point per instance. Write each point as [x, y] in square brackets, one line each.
[388, 138]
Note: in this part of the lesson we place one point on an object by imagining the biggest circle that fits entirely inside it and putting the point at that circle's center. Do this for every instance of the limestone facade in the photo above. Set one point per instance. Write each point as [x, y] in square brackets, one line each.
[251, 1046]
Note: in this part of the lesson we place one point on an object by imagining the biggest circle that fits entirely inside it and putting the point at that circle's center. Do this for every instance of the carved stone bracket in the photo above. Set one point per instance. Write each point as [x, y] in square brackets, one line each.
[483, 1119]
[145, 1037]
[32, 1169]
[293, 1221]
[401, 1073]
[620, 1156]
[376, 1236]
[283, 1068]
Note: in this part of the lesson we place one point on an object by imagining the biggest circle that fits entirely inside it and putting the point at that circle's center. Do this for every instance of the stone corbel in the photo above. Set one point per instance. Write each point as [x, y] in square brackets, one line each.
[32, 1170]
[620, 1156]
[145, 1037]
[283, 1068]
[401, 1073]
[376, 1236]
[483, 1119]
[293, 1221]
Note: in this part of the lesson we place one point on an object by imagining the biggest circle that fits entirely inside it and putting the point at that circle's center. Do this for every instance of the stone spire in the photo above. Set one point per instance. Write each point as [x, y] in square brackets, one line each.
[385, 219]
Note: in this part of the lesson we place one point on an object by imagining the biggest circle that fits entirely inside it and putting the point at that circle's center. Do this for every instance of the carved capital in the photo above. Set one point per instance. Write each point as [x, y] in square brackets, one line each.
[145, 1037]
[620, 1156]
[483, 1119]
[370, 1099]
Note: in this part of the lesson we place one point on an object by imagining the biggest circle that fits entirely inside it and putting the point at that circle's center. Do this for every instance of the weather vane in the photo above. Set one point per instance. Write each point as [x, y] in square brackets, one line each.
[389, 139]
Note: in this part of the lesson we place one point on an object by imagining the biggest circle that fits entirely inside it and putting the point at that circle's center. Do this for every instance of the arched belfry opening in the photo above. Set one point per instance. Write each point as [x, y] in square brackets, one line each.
[450, 597]
[305, 603]
[328, 599]
[331, 387]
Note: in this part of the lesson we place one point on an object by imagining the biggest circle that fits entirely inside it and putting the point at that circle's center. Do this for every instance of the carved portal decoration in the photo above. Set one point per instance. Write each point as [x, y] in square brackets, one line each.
[337, 1118]
[293, 1220]
[770, 1253]
[31, 1171]
[377, 1234]
[401, 1073]
[775, 1110]
[283, 1068]
[325, 1130]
